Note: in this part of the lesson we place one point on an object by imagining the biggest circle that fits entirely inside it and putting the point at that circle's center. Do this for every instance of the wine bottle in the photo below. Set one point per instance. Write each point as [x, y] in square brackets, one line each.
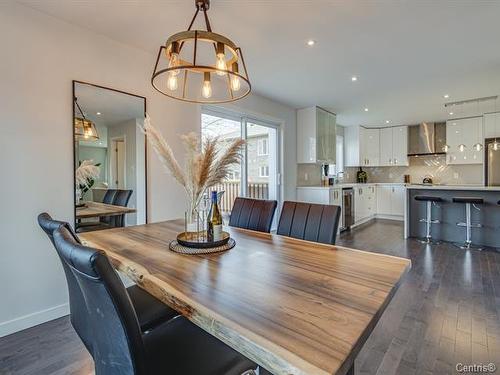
[214, 220]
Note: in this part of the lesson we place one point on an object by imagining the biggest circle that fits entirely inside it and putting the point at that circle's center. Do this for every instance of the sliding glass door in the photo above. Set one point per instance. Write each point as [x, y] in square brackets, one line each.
[258, 174]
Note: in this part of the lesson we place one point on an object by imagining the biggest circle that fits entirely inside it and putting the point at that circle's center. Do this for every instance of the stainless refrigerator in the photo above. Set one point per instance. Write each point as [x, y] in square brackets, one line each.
[492, 165]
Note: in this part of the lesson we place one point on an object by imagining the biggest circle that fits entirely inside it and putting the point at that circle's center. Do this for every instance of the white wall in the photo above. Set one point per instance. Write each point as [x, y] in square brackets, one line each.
[40, 57]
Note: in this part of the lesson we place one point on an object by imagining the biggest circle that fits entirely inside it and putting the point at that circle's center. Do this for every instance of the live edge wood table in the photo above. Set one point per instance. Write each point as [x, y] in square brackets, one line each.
[97, 209]
[292, 306]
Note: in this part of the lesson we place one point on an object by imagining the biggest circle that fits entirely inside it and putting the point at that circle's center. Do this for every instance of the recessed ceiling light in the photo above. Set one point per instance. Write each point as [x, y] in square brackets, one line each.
[451, 113]
[354, 78]
[387, 121]
[366, 109]
[446, 96]
[98, 113]
[311, 42]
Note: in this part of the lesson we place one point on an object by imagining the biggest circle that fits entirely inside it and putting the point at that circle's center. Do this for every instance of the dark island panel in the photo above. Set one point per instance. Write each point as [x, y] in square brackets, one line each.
[450, 214]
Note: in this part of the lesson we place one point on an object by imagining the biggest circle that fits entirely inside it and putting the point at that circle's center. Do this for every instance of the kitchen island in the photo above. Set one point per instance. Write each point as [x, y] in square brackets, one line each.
[450, 213]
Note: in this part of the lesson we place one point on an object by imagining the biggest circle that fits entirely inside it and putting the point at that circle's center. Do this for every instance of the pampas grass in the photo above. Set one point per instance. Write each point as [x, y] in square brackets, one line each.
[86, 173]
[206, 164]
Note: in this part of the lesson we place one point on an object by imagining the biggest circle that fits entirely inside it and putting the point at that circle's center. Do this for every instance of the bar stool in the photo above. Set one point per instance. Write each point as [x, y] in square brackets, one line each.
[430, 200]
[469, 201]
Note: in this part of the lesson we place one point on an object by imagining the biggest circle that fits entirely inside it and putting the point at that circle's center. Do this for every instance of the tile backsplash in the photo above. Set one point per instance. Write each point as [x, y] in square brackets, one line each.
[433, 166]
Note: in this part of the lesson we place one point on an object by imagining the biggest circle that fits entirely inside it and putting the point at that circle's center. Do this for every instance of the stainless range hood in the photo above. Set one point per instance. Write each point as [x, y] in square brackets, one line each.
[427, 138]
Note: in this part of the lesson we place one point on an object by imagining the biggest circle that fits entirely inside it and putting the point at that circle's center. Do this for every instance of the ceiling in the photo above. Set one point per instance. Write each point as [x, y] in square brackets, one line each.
[406, 54]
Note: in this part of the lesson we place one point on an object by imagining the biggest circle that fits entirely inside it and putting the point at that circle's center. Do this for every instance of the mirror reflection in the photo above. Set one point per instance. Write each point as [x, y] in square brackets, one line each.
[110, 158]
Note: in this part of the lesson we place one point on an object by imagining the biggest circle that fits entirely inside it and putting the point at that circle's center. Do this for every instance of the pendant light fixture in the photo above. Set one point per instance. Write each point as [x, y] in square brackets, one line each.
[201, 66]
[85, 129]
[478, 146]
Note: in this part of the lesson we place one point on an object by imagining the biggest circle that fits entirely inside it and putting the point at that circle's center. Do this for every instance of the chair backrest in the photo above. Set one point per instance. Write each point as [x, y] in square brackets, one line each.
[122, 198]
[254, 214]
[77, 307]
[117, 346]
[307, 221]
[109, 198]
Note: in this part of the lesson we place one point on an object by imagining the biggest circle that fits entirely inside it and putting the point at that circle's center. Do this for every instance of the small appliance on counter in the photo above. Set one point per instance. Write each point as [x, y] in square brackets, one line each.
[407, 179]
[361, 176]
[325, 169]
[427, 180]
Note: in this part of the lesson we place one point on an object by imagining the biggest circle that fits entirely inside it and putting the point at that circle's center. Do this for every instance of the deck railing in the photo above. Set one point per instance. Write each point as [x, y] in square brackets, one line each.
[232, 190]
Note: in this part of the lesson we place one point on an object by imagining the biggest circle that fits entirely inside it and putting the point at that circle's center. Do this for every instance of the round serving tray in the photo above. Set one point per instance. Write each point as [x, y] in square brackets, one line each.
[195, 240]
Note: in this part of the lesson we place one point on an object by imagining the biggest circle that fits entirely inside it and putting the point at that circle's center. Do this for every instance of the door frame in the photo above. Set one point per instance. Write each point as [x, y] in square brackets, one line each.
[243, 117]
[119, 138]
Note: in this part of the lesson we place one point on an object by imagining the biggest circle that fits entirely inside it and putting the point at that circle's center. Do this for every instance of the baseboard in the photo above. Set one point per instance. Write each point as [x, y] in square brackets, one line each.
[390, 217]
[31, 320]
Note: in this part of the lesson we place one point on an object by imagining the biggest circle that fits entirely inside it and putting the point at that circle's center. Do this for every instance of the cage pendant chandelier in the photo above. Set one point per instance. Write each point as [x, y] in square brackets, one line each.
[201, 66]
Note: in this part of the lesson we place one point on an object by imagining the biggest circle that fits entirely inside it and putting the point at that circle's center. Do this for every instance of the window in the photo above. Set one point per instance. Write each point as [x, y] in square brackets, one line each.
[264, 171]
[262, 147]
[233, 176]
[340, 154]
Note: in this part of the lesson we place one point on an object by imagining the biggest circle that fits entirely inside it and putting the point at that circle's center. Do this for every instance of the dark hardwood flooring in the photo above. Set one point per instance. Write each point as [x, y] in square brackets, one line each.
[446, 311]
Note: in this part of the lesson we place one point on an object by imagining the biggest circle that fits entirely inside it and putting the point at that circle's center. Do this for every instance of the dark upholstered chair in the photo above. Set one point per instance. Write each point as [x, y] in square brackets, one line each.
[254, 214]
[150, 311]
[122, 198]
[118, 345]
[311, 222]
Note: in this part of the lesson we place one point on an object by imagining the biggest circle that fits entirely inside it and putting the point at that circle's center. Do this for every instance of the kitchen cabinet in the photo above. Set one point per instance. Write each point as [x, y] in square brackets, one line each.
[336, 196]
[313, 195]
[316, 136]
[362, 146]
[364, 202]
[468, 132]
[394, 146]
[491, 125]
[390, 200]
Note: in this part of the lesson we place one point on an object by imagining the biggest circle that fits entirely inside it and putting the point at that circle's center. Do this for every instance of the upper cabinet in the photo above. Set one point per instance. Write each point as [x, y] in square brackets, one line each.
[316, 136]
[376, 147]
[492, 125]
[394, 146]
[361, 146]
[466, 132]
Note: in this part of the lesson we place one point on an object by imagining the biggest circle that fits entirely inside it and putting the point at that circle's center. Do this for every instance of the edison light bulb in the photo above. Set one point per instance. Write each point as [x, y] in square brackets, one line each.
[172, 82]
[206, 90]
[235, 80]
[173, 62]
[446, 148]
[235, 83]
[174, 58]
[220, 64]
[462, 147]
[495, 146]
[478, 147]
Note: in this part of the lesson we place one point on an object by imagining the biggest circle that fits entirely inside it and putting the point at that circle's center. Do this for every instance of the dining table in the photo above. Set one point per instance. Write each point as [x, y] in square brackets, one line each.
[97, 209]
[291, 306]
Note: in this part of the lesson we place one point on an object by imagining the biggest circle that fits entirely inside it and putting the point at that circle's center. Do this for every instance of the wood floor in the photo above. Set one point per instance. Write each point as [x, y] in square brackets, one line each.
[447, 311]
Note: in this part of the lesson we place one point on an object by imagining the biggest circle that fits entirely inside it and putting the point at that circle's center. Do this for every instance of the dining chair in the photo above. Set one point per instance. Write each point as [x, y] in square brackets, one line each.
[308, 221]
[122, 198]
[254, 214]
[150, 311]
[118, 345]
[104, 222]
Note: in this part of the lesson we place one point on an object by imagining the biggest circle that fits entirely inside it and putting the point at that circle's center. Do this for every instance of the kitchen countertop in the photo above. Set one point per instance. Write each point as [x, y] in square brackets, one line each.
[409, 186]
[454, 187]
[349, 185]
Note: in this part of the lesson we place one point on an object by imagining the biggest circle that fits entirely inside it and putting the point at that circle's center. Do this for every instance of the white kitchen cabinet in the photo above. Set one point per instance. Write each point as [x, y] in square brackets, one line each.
[336, 196]
[364, 202]
[468, 132]
[394, 146]
[491, 125]
[316, 136]
[313, 195]
[400, 145]
[362, 146]
[390, 200]
[386, 147]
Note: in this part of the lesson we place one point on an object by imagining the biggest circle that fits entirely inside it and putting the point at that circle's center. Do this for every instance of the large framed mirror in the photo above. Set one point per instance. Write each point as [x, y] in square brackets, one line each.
[109, 158]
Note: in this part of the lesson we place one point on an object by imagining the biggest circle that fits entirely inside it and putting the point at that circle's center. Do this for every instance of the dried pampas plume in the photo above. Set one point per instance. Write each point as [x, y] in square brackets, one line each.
[86, 172]
[206, 165]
